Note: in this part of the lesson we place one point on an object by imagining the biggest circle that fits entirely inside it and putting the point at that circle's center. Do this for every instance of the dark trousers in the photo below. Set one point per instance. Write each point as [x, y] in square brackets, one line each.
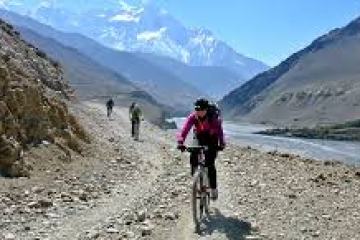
[134, 125]
[210, 157]
[109, 111]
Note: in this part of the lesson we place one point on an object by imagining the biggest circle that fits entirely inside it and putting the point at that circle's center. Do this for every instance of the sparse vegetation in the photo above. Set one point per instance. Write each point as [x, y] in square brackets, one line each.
[30, 110]
[40, 53]
[349, 131]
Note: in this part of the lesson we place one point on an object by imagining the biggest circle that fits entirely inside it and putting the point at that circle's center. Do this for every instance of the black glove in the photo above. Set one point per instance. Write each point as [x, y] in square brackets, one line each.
[181, 147]
[221, 147]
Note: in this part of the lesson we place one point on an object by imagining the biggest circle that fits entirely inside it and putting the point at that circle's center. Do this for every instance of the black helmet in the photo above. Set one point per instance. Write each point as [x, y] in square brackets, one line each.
[201, 104]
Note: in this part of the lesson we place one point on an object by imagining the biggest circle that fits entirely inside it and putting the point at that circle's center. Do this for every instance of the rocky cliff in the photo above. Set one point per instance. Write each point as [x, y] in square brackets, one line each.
[33, 109]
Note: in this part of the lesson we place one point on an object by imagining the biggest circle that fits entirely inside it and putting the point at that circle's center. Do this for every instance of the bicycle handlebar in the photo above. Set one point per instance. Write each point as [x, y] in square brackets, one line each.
[196, 148]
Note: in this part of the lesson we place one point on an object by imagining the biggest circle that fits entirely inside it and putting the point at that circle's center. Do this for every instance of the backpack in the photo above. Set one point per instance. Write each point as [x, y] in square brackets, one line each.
[110, 103]
[135, 113]
[213, 112]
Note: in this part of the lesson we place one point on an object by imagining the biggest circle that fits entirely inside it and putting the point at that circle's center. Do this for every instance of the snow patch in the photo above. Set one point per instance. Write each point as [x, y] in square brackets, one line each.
[110, 32]
[5, 3]
[241, 63]
[125, 17]
[185, 56]
[46, 4]
[119, 46]
[151, 35]
[203, 39]
[126, 7]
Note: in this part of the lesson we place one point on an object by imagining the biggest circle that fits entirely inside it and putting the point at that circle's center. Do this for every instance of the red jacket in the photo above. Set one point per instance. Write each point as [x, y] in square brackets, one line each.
[214, 128]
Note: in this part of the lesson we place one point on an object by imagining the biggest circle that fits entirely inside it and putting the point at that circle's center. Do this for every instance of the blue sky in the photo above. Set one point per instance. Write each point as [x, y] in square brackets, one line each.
[268, 30]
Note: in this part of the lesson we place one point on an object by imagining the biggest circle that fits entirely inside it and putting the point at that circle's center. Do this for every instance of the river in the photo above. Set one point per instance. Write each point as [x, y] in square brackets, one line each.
[243, 134]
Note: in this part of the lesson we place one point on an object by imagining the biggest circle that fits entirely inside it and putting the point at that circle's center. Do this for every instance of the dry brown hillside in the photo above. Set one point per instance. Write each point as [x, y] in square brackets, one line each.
[33, 106]
[318, 85]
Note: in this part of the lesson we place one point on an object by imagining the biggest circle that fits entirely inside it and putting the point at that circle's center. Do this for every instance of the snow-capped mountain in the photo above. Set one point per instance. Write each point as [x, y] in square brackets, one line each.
[141, 27]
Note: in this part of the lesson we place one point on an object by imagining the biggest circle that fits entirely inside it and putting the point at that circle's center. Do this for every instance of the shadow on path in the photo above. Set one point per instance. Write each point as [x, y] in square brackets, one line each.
[233, 228]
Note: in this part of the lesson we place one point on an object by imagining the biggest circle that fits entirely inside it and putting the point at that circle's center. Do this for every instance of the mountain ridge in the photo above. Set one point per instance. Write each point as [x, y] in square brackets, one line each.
[145, 28]
[132, 67]
[305, 83]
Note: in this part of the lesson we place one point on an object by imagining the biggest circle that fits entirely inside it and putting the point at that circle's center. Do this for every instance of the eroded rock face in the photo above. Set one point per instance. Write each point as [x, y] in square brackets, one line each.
[33, 97]
[10, 157]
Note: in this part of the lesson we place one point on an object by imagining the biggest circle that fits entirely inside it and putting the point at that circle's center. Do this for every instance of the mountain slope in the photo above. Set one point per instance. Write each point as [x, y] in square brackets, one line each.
[159, 82]
[33, 103]
[90, 79]
[214, 81]
[317, 85]
[93, 81]
[144, 28]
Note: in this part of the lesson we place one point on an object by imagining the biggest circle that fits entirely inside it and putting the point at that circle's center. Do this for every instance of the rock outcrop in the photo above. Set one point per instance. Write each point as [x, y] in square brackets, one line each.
[33, 106]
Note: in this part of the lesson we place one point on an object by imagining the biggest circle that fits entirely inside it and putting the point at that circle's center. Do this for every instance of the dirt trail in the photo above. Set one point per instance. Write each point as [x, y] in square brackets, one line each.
[157, 148]
[222, 223]
[118, 127]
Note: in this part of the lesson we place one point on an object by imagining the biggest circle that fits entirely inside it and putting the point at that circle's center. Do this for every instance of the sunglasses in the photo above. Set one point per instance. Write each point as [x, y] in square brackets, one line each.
[197, 108]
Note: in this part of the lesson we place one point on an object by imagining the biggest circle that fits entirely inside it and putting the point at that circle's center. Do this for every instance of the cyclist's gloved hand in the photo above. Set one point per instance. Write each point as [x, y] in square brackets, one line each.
[221, 147]
[181, 147]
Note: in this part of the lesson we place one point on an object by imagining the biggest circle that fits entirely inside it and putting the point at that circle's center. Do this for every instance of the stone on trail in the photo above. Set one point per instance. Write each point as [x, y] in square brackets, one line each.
[9, 236]
[112, 230]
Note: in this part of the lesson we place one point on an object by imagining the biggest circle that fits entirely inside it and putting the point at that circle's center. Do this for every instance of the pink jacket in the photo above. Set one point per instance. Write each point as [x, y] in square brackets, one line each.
[214, 128]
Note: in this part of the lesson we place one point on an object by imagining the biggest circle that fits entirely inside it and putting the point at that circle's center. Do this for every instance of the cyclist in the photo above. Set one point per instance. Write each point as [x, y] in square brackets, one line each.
[208, 132]
[135, 116]
[109, 106]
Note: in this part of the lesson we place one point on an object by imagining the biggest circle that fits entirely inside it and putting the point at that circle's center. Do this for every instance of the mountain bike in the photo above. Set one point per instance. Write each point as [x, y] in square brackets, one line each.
[200, 198]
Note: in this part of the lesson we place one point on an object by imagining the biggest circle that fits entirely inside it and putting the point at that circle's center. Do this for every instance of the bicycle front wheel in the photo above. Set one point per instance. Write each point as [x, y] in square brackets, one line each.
[197, 203]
